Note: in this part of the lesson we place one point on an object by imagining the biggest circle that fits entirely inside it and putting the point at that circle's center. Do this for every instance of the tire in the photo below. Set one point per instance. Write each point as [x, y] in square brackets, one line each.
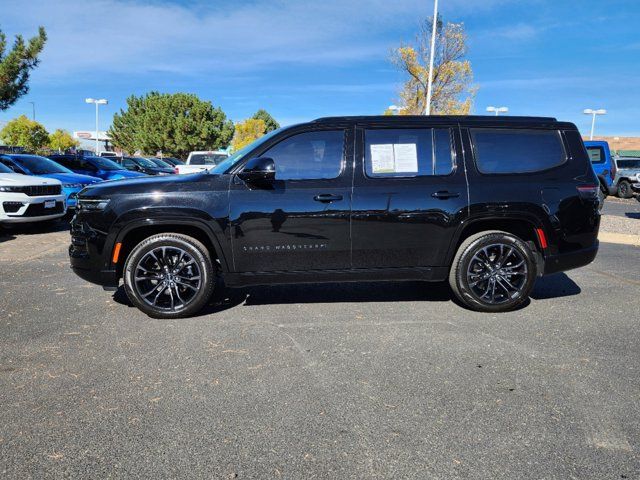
[169, 275]
[471, 275]
[624, 189]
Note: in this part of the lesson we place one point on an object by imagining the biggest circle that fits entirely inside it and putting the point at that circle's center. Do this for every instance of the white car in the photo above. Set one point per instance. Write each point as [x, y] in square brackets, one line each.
[26, 198]
[201, 161]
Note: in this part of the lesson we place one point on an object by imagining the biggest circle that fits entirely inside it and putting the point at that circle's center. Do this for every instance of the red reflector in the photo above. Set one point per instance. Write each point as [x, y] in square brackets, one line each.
[542, 237]
[588, 191]
[116, 252]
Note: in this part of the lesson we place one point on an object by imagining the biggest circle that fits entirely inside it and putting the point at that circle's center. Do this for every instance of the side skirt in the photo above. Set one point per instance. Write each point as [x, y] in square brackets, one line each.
[429, 274]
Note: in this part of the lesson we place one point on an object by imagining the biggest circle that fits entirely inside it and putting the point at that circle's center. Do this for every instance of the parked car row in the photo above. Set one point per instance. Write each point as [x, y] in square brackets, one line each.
[616, 174]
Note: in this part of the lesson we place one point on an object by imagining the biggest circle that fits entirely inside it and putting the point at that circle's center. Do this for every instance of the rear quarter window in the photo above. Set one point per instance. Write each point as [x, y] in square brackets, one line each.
[504, 151]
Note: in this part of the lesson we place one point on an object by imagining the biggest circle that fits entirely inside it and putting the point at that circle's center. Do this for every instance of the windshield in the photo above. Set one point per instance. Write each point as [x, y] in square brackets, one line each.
[103, 163]
[240, 154]
[207, 158]
[145, 162]
[38, 165]
[5, 169]
[628, 163]
[160, 163]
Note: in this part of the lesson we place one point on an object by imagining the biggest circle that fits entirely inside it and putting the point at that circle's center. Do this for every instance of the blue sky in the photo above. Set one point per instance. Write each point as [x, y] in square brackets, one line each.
[304, 59]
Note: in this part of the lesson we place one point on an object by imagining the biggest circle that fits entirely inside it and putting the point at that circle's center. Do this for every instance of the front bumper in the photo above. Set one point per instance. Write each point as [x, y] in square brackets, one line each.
[568, 261]
[21, 208]
[87, 256]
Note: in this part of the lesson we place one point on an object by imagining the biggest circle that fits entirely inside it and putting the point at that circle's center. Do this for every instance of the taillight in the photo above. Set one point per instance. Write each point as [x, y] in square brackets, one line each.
[588, 192]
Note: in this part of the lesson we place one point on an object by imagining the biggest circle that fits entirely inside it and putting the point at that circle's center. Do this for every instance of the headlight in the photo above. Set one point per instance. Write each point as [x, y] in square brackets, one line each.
[72, 185]
[6, 189]
[84, 204]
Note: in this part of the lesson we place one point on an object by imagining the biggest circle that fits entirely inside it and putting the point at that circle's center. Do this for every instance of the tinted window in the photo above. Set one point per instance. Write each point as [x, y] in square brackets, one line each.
[67, 162]
[517, 151]
[128, 163]
[596, 154]
[628, 163]
[207, 158]
[311, 155]
[5, 169]
[100, 163]
[408, 152]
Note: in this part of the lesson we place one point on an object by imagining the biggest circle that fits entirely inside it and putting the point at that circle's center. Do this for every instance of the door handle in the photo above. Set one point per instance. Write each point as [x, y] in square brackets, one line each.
[327, 198]
[443, 194]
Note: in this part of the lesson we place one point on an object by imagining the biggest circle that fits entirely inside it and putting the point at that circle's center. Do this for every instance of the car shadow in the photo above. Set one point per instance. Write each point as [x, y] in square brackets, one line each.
[11, 232]
[555, 286]
[634, 215]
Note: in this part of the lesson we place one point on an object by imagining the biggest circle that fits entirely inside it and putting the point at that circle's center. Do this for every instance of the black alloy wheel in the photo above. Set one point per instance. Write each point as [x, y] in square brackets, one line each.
[169, 275]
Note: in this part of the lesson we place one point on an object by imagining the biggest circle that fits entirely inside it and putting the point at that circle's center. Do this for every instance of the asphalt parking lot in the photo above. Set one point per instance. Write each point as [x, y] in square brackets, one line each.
[318, 381]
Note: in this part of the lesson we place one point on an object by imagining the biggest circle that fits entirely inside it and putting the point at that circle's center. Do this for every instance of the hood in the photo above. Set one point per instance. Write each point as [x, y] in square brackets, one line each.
[119, 174]
[72, 178]
[155, 184]
[19, 180]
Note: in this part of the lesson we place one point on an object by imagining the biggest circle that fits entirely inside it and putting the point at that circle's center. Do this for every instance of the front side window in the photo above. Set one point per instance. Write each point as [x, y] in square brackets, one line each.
[308, 156]
[408, 152]
[517, 150]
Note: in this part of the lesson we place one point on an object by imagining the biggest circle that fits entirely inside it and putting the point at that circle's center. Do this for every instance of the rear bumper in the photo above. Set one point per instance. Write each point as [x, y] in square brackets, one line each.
[568, 261]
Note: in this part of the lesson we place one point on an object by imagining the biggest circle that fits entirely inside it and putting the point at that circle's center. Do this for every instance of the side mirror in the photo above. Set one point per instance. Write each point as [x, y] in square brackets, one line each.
[259, 170]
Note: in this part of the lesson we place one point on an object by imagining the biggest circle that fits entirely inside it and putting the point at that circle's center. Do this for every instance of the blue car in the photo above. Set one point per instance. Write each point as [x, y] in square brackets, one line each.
[101, 167]
[72, 183]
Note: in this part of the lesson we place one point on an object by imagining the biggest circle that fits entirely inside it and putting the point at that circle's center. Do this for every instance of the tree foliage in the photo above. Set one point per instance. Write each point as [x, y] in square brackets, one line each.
[175, 124]
[270, 123]
[16, 65]
[62, 140]
[22, 132]
[248, 131]
[452, 90]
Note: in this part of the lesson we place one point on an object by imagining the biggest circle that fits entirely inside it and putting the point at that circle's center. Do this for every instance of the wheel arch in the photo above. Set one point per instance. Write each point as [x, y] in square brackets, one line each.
[135, 232]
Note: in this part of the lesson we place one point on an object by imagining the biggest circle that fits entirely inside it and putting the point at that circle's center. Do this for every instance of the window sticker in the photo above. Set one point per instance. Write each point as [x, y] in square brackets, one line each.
[382, 160]
[394, 158]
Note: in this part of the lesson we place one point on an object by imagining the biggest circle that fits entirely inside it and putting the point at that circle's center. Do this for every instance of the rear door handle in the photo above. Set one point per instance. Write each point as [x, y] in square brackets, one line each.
[443, 194]
[327, 198]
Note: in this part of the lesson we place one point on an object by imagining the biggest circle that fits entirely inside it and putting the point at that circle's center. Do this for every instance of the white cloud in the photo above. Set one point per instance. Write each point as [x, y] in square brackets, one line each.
[130, 37]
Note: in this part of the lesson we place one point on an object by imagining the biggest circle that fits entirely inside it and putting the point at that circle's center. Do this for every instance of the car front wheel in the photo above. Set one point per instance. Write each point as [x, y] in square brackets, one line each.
[493, 271]
[169, 275]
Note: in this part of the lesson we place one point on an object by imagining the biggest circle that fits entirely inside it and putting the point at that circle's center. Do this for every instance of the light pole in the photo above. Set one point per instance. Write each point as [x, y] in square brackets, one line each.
[427, 110]
[101, 101]
[498, 110]
[33, 107]
[593, 113]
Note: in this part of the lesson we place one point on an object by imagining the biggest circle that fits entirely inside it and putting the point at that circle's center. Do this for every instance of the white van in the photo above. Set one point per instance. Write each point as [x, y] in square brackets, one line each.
[26, 198]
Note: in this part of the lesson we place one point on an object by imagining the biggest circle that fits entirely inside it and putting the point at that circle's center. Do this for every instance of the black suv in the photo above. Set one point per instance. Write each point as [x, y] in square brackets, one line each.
[487, 203]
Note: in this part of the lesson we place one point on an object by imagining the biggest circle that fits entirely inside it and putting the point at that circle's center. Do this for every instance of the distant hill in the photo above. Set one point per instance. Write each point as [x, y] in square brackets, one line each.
[621, 144]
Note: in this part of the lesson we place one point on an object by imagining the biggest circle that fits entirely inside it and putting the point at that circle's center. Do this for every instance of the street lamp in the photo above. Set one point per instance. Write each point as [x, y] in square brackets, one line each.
[498, 110]
[394, 109]
[101, 101]
[593, 113]
[33, 106]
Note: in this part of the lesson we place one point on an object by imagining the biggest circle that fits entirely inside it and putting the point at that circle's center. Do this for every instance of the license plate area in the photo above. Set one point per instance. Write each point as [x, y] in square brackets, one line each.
[50, 204]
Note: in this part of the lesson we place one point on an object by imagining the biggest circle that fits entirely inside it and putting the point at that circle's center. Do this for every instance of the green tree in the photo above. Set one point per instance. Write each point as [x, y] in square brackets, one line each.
[22, 132]
[16, 64]
[175, 124]
[62, 140]
[270, 122]
[248, 131]
[452, 91]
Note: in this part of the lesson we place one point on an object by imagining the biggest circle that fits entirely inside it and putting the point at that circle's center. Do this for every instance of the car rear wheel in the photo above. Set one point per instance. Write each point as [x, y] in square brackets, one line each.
[169, 275]
[493, 271]
[624, 189]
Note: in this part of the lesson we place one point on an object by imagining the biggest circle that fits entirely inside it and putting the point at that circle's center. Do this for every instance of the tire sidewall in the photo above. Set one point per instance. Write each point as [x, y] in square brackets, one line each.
[194, 249]
[466, 293]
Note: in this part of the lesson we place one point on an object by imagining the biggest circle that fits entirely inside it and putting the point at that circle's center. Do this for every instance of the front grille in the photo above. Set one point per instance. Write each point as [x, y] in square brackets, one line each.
[38, 190]
[12, 207]
[38, 210]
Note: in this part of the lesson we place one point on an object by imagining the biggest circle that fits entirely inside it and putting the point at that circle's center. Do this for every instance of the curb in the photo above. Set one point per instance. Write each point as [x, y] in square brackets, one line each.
[620, 238]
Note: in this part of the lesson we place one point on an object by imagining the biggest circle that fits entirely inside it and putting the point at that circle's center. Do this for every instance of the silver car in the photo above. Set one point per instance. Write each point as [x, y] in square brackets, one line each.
[627, 173]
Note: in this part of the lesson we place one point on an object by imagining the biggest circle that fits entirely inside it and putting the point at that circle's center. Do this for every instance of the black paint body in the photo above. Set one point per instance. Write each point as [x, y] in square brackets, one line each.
[370, 229]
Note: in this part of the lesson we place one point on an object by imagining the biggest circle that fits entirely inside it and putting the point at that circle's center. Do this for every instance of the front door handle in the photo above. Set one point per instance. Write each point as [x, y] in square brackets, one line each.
[327, 198]
[443, 194]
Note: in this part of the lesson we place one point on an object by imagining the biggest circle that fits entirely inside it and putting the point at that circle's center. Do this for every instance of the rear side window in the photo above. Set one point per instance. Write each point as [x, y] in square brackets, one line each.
[596, 154]
[408, 152]
[517, 150]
